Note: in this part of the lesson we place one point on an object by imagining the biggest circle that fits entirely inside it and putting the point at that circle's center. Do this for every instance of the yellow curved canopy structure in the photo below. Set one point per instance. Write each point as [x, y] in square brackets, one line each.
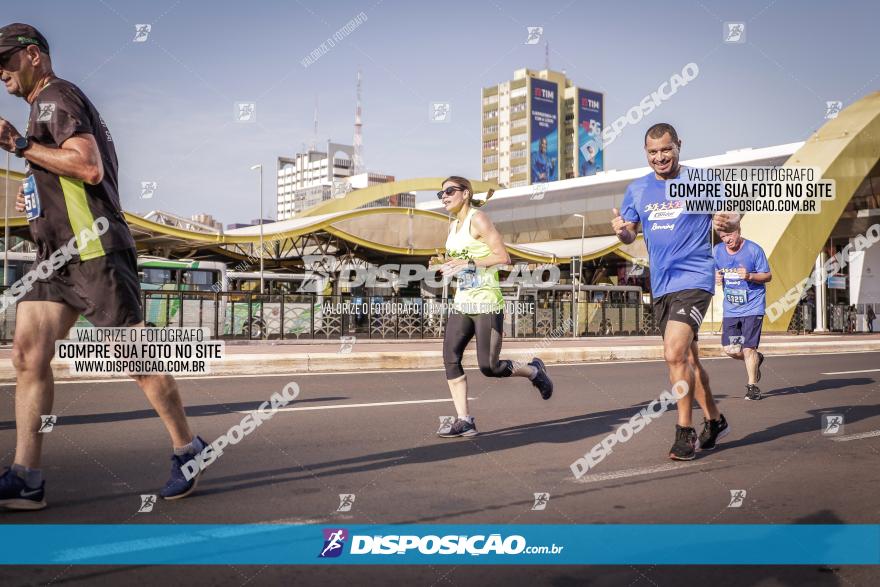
[357, 198]
[845, 149]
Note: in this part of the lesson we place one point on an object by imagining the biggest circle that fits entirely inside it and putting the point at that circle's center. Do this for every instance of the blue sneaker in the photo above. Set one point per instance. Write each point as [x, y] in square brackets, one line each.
[542, 381]
[178, 486]
[15, 495]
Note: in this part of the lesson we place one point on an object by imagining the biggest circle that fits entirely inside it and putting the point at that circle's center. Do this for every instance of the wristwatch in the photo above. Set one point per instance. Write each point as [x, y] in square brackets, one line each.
[21, 145]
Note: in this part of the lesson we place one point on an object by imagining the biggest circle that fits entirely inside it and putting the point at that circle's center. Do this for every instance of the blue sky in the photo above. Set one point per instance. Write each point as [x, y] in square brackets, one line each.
[169, 101]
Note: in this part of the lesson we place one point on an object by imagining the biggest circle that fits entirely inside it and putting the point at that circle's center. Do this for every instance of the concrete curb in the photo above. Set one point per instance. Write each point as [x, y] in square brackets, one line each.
[261, 363]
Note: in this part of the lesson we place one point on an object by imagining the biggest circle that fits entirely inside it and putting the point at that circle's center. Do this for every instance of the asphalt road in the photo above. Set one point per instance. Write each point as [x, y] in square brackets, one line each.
[373, 435]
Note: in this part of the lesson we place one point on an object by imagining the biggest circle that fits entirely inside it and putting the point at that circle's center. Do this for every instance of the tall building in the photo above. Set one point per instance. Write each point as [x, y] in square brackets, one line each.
[540, 127]
[307, 178]
[208, 220]
[310, 178]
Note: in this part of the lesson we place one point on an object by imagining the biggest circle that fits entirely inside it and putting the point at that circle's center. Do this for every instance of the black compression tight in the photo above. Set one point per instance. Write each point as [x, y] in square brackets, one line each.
[489, 329]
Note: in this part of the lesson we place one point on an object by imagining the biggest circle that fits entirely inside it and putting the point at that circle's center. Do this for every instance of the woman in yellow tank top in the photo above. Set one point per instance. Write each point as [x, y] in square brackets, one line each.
[477, 249]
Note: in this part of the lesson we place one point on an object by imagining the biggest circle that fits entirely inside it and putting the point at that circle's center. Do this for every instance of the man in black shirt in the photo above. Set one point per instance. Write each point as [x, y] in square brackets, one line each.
[70, 195]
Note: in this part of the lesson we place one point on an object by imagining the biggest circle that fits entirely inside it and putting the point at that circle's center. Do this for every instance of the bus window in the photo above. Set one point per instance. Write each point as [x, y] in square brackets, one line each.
[198, 279]
[154, 278]
[13, 274]
[249, 285]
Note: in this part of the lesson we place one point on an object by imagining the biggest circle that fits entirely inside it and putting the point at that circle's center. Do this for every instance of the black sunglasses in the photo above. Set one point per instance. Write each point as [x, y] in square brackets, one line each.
[4, 60]
[449, 191]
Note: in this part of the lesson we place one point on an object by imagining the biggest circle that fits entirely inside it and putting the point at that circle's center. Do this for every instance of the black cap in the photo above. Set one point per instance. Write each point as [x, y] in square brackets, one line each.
[17, 36]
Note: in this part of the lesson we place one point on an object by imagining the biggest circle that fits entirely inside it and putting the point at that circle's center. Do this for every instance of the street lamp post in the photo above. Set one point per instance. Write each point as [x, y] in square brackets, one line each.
[253, 168]
[580, 271]
[6, 227]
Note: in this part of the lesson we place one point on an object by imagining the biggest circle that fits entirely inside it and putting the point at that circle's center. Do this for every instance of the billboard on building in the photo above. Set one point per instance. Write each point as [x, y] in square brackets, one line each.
[544, 131]
[589, 133]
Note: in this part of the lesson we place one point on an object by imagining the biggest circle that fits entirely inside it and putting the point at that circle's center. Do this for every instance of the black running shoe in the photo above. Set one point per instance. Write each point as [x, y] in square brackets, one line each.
[16, 495]
[713, 430]
[760, 362]
[460, 427]
[684, 448]
[752, 392]
[179, 485]
[542, 381]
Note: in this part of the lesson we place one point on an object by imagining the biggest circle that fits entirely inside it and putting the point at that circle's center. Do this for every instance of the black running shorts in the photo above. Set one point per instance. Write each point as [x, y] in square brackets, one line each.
[105, 290]
[688, 306]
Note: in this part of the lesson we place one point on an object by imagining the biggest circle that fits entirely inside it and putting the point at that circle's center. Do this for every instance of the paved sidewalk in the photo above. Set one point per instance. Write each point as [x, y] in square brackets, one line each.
[243, 358]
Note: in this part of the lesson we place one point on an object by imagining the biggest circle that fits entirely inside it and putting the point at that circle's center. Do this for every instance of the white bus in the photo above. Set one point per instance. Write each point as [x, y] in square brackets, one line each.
[238, 314]
[193, 288]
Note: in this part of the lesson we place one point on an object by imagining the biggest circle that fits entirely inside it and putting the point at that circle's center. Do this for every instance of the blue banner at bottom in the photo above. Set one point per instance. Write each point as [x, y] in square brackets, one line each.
[455, 544]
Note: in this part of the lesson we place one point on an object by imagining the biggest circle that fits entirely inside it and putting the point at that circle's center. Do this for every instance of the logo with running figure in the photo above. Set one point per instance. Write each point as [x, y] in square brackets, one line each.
[737, 497]
[45, 111]
[534, 35]
[832, 424]
[541, 501]
[318, 272]
[346, 501]
[147, 504]
[334, 542]
[47, 423]
[538, 191]
[346, 343]
[148, 188]
[637, 267]
[832, 109]
[141, 32]
[245, 112]
[446, 423]
[734, 32]
[440, 112]
[664, 211]
[341, 189]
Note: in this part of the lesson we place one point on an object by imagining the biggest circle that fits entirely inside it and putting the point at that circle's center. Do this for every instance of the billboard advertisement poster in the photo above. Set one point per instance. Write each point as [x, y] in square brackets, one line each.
[544, 146]
[589, 133]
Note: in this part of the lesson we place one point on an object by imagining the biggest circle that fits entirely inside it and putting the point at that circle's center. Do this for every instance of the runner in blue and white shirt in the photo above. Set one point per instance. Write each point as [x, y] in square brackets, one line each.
[682, 281]
[742, 270]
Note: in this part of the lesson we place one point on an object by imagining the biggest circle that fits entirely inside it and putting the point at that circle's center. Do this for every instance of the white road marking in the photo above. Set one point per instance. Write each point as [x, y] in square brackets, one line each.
[858, 436]
[368, 405]
[624, 473]
[848, 372]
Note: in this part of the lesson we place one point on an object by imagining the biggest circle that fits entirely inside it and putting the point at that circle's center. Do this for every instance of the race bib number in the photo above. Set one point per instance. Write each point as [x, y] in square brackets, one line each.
[467, 279]
[31, 199]
[737, 297]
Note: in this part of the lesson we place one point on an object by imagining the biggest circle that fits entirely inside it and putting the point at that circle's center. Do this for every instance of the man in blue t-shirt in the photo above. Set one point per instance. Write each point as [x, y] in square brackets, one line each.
[742, 270]
[682, 281]
[543, 167]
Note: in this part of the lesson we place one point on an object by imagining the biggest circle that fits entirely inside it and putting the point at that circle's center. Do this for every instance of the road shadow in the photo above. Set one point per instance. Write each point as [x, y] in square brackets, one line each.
[820, 385]
[191, 412]
[808, 424]
[573, 429]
